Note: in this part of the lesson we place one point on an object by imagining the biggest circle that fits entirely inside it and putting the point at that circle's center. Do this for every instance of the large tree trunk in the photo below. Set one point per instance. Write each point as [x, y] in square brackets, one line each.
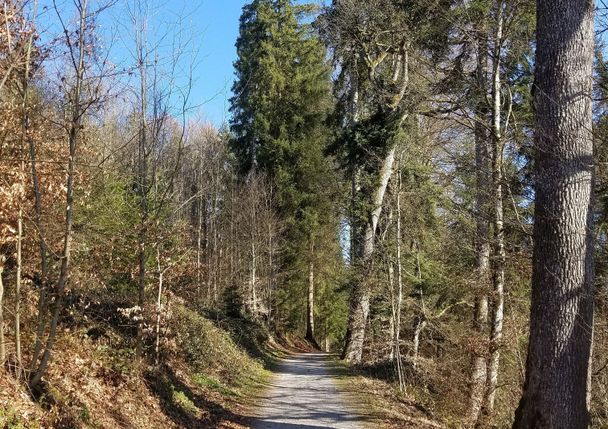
[561, 320]
[359, 304]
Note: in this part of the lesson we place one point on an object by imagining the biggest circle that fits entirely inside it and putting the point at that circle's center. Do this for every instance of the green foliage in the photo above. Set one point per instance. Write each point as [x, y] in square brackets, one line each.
[182, 400]
[108, 216]
[281, 103]
[207, 348]
[9, 419]
[210, 382]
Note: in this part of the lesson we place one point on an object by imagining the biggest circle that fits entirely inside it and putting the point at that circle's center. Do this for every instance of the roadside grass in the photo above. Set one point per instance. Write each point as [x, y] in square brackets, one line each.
[379, 401]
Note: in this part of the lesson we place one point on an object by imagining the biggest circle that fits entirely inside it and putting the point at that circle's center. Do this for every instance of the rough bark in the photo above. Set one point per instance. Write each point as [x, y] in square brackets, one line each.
[559, 351]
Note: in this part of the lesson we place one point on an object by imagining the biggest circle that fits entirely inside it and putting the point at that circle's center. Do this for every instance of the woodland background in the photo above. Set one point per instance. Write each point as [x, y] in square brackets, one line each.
[372, 193]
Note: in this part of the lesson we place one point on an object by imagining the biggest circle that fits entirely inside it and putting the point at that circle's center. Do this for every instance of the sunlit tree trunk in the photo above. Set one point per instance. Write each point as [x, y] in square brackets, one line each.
[310, 319]
[360, 297]
[498, 257]
[561, 320]
[482, 241]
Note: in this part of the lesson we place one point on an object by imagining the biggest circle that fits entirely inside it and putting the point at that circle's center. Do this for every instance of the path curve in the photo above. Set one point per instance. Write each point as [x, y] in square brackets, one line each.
[303, 395]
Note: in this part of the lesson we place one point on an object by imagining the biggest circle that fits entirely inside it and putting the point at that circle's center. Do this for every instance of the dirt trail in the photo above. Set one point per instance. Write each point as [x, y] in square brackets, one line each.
[303, 395]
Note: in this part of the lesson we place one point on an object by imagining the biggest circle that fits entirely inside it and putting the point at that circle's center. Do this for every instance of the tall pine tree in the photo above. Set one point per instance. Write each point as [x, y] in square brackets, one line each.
[281, 103]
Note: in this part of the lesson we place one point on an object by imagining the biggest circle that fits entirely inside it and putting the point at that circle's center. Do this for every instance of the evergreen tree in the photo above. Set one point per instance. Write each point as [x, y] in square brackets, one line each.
[281, 102]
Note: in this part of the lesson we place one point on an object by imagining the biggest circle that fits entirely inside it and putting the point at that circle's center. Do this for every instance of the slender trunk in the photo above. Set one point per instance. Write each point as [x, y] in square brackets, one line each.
[561, 319]
[18, 363]
[310, 320]
[391, 285]
[482, 242]
[158, 307]
[2, 345]
[73, 137]
[253, 279]
[397, 334]
[498, 258]
[143, 187]
[41, 321]
[24, 132]
[360, 298]
[271, 269]
[199, 241]
[421, 316]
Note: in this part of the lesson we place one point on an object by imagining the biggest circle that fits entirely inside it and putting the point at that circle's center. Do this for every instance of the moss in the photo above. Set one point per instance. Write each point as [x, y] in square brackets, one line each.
[9, 419]
[182, 400]
[204, 381]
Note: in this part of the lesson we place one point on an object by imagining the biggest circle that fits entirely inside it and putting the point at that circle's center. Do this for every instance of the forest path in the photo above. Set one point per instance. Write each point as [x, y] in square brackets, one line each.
[303, 395]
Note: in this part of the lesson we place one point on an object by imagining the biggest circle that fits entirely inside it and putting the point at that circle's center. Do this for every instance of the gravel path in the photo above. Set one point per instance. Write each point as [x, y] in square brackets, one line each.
[303, 395]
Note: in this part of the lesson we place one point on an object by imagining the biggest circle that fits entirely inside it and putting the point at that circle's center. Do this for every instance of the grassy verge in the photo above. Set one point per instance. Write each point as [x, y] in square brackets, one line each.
[380, 401]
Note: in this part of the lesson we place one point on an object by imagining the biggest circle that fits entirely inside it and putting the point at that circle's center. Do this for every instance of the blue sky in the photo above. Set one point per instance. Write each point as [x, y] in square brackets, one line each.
[216, 22]
[210, 25]
[214, 28]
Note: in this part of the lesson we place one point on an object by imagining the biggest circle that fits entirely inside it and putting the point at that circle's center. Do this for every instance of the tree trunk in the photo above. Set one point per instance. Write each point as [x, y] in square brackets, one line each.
[18, 363]
[561, 319]
[253, 279]
[498, 257]
[142, 177]
[360, 298]
[24, 133]
[44, 265]
[73, 136]
[159, 307]
[310, 319]
[397, 327]
[2, 345]
[421, 317]
[482, 243]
